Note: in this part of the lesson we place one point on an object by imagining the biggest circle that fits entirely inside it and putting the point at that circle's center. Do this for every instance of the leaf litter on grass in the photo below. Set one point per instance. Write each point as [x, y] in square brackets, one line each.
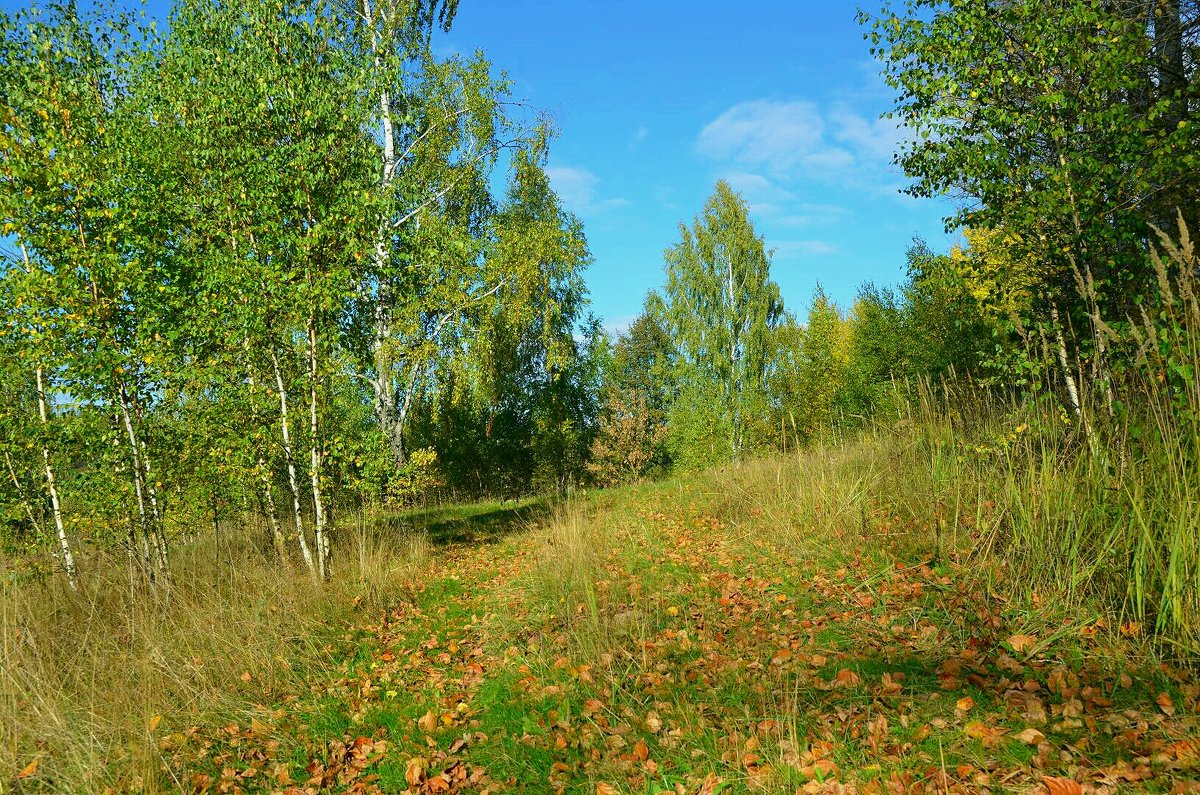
[694, 657]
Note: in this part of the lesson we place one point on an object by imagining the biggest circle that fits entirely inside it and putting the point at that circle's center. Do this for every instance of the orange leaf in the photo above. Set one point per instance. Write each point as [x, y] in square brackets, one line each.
[1022, 643]
[846, 678]
[603, 788]
[640, 751]
[414, 771]
[28, 770]
[711, 782]
[152, 724]
[1165, 704]
[1030, 737]
[965, 703]
[821, 769]
[988, 735]
[1057, 785]
[428, 722]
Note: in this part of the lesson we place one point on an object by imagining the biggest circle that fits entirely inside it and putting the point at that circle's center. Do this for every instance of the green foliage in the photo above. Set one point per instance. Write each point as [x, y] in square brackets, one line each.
[719, 306]
[249, 250]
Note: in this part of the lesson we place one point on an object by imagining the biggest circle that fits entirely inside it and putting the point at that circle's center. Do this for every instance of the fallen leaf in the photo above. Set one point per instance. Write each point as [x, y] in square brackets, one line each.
[846, 678]
[28, 770]
[428, 722]
[1058, 785]
[246, 676]
[988, 735]
[1030, 736]
[152, 724]
[821, 769]
[709, 787]
[414, 771]
[640, 751]
[964, 704]
[1166, 704]
[603, 788]
[1022, 643]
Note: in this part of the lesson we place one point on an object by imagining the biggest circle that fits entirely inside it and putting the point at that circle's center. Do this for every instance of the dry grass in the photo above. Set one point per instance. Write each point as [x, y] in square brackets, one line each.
[89, 678]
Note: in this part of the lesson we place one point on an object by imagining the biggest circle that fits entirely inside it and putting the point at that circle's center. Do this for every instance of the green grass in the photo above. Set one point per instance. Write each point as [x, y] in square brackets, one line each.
[791, 620]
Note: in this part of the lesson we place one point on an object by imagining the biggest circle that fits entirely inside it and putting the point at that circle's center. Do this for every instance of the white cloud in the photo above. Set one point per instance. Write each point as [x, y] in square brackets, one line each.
[794, 249]
[790, 141]
[576, 187]
[873, 138]
[764, 134]
[771, 201]
[757, 189]
[808, 214]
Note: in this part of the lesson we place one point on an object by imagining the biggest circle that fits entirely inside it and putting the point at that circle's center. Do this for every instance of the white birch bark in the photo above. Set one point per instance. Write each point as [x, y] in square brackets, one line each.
[289, 456]
[321, 531]
[151, 554]
[64, 546]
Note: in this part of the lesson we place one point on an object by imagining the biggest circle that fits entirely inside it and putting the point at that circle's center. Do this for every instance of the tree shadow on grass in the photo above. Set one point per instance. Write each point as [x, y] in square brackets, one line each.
[477, 524]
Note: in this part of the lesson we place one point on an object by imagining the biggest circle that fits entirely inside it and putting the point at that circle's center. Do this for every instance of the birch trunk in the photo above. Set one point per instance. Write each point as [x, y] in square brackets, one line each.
[320, 528]
[278, 541]
[152, 555]
[64, 546]
[1064, 364]
[156, 527]
[289, 456]
[385, 399]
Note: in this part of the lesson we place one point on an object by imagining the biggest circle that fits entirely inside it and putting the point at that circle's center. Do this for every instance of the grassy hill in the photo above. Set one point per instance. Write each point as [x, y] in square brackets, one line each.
[796, 624]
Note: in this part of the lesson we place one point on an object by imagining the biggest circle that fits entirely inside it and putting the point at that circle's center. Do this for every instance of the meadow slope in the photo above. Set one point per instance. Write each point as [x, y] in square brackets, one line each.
[773, 627]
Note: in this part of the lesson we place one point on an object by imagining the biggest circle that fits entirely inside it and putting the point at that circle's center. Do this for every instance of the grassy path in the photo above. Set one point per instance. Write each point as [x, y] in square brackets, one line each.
[695, 637]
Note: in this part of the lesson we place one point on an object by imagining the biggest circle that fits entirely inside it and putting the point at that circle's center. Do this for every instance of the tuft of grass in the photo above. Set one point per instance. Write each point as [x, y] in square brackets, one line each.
[91, 681]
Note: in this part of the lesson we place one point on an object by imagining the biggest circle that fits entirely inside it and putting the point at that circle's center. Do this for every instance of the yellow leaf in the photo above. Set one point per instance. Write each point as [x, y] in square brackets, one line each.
[964, 704]
[152, 724]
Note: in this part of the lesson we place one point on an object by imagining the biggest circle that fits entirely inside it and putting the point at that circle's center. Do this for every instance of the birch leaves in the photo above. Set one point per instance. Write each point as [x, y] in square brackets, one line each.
[720, 306]
[223, 235]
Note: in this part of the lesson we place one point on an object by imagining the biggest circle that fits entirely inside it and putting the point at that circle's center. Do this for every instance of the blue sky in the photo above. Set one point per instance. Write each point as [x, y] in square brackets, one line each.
[655, 100]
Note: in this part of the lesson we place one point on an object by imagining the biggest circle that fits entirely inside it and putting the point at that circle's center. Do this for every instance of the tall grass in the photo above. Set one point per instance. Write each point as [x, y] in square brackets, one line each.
[90, 680]
[1108, 513]
[1103, 519]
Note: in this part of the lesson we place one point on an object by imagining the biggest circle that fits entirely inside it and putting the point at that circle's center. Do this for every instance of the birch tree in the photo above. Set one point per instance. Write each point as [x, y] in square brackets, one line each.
[71, 195]
[441, 128]
[262, 98]
[720, 305]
